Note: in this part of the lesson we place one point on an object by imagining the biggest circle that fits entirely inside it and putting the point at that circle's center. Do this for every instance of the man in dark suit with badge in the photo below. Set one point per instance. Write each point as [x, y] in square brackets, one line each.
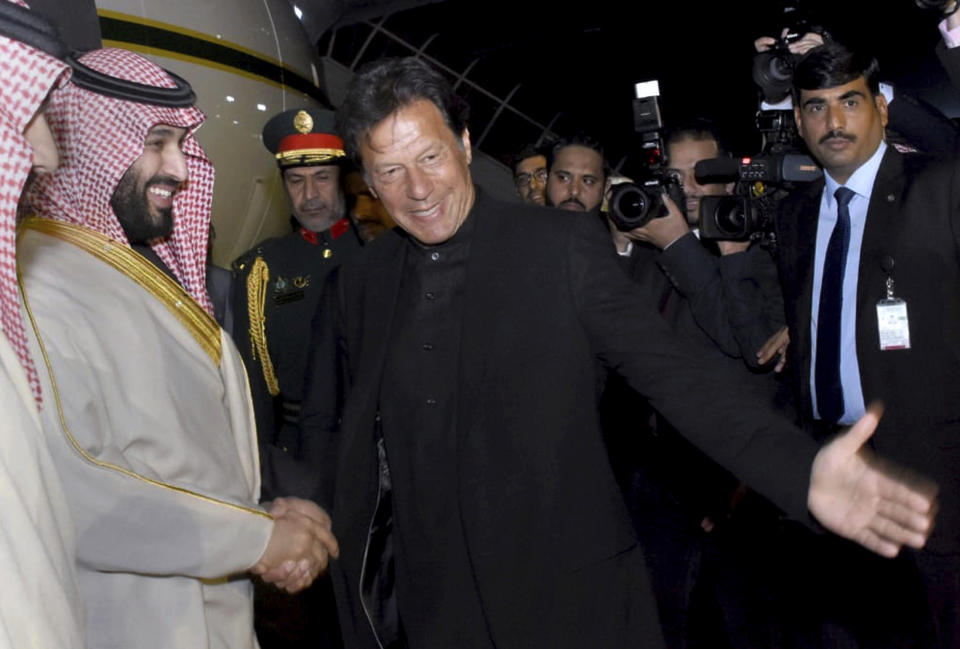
[870, 270]
[471, 489]
[278, 284]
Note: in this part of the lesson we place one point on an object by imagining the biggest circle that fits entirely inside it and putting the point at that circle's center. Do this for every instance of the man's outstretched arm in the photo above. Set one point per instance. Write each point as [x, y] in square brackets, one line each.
[851, 493]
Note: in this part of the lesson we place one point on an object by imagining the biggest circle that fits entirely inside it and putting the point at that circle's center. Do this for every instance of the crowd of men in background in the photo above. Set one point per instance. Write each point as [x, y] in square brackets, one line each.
[723, 298]
[398, 386]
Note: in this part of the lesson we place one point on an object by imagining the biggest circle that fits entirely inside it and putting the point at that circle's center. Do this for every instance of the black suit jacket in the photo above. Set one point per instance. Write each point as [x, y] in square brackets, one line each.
[913, 222]
[551, 544]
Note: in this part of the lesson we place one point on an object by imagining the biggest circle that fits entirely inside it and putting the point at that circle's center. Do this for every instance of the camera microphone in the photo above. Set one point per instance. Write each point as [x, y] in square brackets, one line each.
[717, 170]
[776, 169]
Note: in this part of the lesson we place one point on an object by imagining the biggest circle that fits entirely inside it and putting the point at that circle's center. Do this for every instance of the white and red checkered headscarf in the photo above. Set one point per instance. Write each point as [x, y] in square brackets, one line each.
[99, 137]
[26, 76]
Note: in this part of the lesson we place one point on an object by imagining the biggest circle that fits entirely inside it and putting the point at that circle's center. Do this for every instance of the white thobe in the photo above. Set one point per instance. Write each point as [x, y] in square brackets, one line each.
[150, 425]
[39, 600]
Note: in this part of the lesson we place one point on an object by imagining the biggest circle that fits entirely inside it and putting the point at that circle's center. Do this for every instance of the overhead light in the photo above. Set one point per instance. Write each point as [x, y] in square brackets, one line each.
[297, 11]
[231, 98]
[261, 107]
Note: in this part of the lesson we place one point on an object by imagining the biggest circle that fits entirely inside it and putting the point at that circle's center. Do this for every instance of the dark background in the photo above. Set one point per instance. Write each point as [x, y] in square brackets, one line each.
[571, 69]
[576, 67]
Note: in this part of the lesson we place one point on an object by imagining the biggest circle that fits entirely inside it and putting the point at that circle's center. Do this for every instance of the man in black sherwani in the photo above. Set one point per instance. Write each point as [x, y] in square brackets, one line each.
[468, 479]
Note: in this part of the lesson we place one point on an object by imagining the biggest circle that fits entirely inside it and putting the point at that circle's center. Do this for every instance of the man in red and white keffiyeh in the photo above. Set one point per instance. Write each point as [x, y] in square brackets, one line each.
[100, 137]
[40, 602]
[149, 418]
[27, 75]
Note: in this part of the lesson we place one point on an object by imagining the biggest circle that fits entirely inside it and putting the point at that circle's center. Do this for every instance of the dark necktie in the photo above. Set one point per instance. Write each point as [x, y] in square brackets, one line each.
[829, 388]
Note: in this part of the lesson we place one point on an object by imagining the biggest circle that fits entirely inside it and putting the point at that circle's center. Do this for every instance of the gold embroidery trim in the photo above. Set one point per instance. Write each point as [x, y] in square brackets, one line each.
[256, 303]
[82, 451]
[181, 304]
[313, 154]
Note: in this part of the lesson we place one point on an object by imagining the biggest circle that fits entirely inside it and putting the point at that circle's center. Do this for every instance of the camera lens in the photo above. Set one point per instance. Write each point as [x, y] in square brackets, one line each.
[629, 206]
[773, 72]
[731, 218]
[631, 202]
[780, 68]
[727, 217]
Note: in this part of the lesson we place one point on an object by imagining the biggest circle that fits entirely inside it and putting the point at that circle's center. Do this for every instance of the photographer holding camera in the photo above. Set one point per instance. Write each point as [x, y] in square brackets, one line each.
[729, 287]
[914, 125]
[709, 549]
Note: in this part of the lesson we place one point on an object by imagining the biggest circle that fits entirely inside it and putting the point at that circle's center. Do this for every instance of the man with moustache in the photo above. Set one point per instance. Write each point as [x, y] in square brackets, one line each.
[146, 408]
[868, 261]
[577, 174]
[277, 287]
[475, 496]
[530, 175]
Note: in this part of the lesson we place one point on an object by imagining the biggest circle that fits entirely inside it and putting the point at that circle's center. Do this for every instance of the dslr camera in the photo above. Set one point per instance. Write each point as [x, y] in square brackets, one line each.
[632, 205]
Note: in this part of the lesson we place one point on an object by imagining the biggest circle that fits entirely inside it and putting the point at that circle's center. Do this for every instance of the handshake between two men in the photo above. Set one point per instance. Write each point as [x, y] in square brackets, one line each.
[300, 546]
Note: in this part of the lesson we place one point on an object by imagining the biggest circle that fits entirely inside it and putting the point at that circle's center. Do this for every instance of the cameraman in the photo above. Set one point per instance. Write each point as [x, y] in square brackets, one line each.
[727, 288]
[707, 565]
[914, 125]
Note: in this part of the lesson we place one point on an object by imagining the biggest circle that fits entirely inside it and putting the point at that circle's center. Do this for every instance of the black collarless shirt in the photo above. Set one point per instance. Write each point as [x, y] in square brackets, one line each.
[437, 595]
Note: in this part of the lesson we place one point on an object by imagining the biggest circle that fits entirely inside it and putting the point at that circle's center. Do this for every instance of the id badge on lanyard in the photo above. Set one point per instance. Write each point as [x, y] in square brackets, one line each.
[892, 321]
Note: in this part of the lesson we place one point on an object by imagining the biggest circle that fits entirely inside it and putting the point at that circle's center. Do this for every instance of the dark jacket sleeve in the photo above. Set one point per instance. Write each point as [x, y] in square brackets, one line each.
[702, 400]
[753, 301]
[695, 273]
[735, 299]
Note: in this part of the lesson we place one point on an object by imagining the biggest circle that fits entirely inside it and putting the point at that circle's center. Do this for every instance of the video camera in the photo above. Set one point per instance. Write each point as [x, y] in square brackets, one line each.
[773, 69]
[748, 213]
[761, 180]
[632, 205]
[778, 128]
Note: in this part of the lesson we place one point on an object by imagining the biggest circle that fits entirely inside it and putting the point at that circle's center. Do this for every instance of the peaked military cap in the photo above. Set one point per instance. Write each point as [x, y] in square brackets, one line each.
[303, 137]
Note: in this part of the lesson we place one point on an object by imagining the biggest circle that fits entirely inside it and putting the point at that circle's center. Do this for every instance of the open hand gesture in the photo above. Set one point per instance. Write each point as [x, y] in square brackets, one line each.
[873, 502]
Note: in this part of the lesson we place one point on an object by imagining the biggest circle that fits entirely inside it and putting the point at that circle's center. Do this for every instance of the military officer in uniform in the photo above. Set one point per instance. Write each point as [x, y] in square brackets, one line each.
[278, 284]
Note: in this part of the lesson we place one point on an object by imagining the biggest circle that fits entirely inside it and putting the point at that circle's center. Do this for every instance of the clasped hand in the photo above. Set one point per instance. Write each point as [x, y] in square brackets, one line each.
[300, 546]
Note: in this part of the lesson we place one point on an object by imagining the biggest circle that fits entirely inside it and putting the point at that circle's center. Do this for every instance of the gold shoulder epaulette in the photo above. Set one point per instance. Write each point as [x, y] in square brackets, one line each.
[240, 263]
[256, 300]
